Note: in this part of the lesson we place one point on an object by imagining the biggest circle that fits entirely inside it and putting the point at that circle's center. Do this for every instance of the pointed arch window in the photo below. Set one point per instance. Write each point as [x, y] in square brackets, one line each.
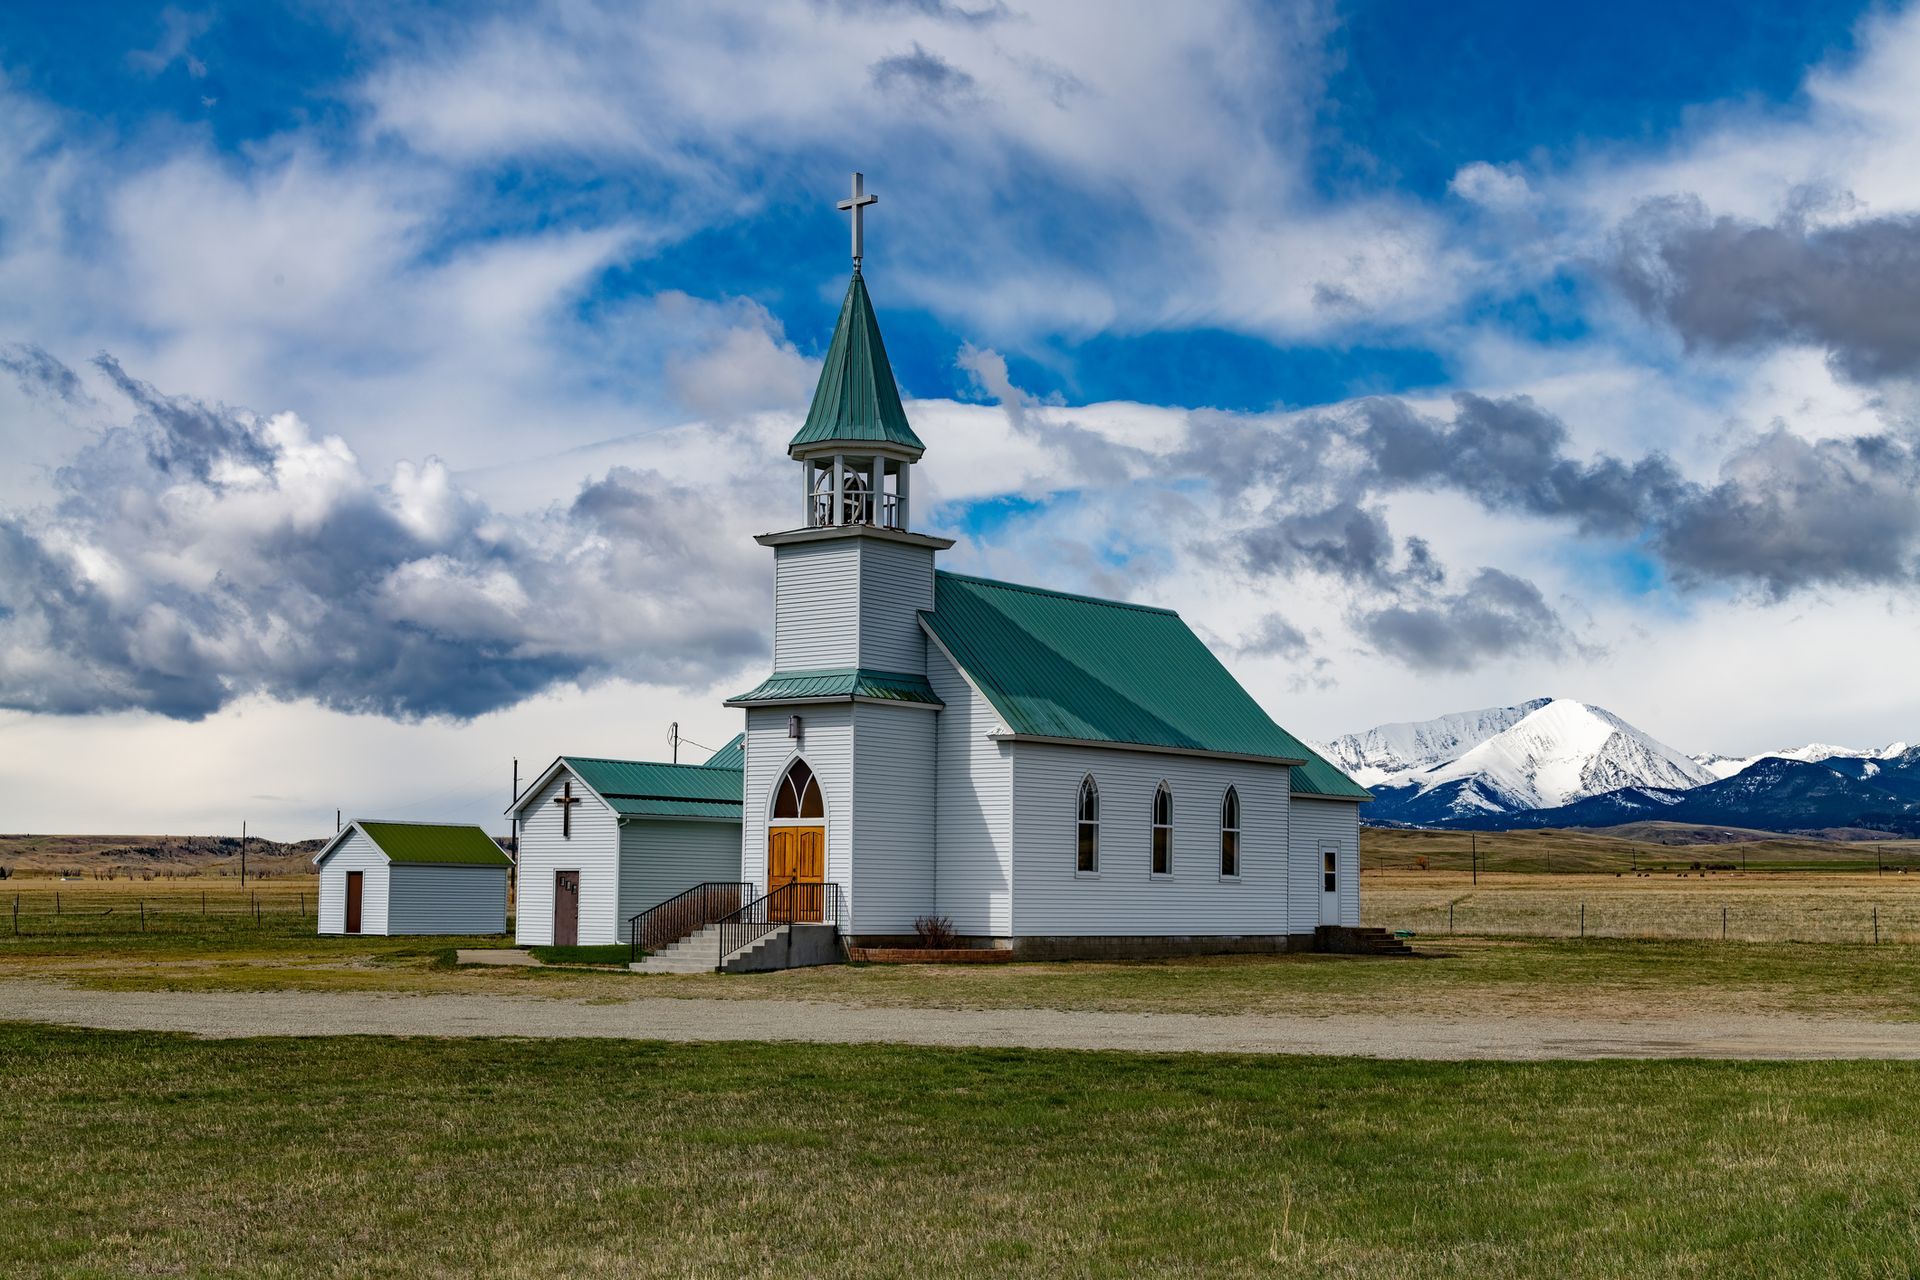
[1230, 834]
[1163, 830]
[798, 795]
[1087, 828]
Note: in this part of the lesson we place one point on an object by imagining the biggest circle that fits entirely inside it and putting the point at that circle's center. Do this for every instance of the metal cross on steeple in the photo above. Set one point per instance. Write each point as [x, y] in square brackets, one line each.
[857, 204]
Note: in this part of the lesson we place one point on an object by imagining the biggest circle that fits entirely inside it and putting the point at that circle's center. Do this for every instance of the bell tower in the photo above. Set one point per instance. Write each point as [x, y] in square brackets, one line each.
[848, 694]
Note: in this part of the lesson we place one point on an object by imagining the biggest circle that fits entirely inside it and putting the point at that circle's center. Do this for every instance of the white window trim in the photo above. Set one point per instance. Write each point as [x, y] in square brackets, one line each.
[1078, 822]
[1154, 829]
[1239, 829]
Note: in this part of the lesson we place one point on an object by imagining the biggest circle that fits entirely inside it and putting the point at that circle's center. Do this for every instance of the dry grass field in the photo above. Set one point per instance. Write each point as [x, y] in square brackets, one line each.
[1755, 906]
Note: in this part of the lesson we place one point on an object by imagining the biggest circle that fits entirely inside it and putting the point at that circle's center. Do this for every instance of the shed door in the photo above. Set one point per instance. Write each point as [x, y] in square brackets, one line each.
[353, 901]
[566, 908]
[1329, 882]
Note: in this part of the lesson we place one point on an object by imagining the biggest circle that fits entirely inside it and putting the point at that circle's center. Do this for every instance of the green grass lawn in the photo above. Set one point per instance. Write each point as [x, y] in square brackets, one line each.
[1598, 977]
[154, 1154]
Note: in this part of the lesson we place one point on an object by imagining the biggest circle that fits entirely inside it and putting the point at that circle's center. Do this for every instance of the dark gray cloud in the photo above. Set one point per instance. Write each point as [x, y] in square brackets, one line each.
[1789, 513]
[1729, 284]
[1496, 615]
[199, 554]
[923, 73]
[1785, 514]
[41, 374]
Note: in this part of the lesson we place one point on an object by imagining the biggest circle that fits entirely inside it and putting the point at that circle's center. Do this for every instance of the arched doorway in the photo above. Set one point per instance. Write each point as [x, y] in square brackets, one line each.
[797, 844]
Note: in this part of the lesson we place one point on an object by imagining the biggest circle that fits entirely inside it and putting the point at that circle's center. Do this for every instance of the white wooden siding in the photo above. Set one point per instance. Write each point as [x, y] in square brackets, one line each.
[1314, 821]
[850, 602]
[894, 794]
[896, 583]
[660, 858]
[1124, 899]
[446, 898]
[359, 853]
[973, 808]
[593, 850]
[827, 746]
[815, 596]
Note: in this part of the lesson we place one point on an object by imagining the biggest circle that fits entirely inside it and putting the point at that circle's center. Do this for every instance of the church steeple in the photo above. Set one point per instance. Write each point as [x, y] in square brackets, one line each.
[857, 401]
[856, 446]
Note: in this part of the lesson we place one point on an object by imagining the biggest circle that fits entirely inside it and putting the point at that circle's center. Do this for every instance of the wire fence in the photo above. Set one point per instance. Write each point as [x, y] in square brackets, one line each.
[91, 912]
[1548, 914]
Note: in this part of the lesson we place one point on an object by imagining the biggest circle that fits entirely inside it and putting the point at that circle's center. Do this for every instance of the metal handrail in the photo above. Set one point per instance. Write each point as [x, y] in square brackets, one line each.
[796, 902]
[685, 913]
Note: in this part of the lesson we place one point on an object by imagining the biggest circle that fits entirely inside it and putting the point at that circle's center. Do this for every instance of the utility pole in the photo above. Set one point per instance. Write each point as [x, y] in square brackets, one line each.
[673, 737]
[243, 853]
[515, 819]
[336, 822]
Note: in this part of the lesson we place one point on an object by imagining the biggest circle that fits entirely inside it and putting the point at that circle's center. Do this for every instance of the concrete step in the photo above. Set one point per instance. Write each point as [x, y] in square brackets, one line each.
[696, 953]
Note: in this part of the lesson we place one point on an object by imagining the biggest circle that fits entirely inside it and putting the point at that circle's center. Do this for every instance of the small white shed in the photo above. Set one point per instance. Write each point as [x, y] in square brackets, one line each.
[412, 877]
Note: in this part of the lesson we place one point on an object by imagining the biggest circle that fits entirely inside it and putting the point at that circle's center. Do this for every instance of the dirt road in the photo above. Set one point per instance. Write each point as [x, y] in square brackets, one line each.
[1517, 1038]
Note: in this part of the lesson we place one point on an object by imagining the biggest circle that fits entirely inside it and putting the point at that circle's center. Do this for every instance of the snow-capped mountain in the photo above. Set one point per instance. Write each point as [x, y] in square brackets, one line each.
[1557, 762]
[1387, 753]
[1566, 751]
[1812, 753]
[1538, 755]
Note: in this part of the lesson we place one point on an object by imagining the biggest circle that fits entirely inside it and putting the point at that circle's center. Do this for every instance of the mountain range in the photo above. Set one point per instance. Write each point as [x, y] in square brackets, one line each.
[1557, 762]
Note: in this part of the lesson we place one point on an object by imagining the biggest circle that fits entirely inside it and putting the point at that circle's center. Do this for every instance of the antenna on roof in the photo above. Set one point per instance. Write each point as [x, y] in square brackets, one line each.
[673, 737]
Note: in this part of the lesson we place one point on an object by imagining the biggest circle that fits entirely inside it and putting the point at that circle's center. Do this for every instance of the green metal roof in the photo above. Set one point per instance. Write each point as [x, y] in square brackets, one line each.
[731, 756]
[1064, 666]
[642, 789]
[841, 682]
[435, 842]
[856, 399]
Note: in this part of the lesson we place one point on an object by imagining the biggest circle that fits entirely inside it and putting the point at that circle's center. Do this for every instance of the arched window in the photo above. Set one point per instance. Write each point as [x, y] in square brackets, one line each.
[1230, 833]
[1163, 831]
[798, 795]
[1088, 827]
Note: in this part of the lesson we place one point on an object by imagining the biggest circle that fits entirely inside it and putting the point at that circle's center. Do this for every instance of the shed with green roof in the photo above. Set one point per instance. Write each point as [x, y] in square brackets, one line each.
[380, 877]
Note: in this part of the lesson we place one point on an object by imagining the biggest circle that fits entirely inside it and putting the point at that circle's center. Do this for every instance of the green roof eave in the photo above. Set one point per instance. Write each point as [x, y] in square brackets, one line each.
[856, 400]
[840, 684]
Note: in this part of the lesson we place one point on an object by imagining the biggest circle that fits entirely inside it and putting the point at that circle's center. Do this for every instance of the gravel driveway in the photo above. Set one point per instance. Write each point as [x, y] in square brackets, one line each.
[227, 1014]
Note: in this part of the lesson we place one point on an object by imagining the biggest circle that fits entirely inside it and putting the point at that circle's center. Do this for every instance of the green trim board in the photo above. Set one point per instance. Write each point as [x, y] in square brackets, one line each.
[856, 399]
[1081, 669]
[433, 842]
[840, 684]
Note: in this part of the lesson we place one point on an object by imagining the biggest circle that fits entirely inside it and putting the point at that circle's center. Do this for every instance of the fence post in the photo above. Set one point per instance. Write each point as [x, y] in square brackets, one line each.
[16, 915]
[143, 915]
[1723, 924]
[1876, 925]
[203, 902]
[56, 902]
[1449, 917]
[1583, 919]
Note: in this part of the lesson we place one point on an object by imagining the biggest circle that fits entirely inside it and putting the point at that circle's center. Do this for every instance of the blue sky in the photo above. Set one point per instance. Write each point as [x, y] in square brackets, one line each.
[408, 333]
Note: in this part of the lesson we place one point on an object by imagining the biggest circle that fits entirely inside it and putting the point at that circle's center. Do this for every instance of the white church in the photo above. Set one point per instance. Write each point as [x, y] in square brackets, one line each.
[1054, 774]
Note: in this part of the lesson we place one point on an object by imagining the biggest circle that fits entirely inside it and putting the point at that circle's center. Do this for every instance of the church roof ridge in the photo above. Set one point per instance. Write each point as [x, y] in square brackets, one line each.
[856, 399]
[1058, 595]
[647, 764]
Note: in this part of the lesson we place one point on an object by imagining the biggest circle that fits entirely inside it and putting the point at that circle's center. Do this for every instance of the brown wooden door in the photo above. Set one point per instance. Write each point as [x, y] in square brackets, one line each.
[797, 855]
[566, 908]
[353, 900]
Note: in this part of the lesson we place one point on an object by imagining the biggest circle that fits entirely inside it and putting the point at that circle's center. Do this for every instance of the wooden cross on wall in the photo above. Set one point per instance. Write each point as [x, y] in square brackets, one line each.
[566, 800]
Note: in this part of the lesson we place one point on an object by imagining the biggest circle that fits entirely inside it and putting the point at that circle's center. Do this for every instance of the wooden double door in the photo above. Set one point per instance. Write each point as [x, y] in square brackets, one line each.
[796, 856]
